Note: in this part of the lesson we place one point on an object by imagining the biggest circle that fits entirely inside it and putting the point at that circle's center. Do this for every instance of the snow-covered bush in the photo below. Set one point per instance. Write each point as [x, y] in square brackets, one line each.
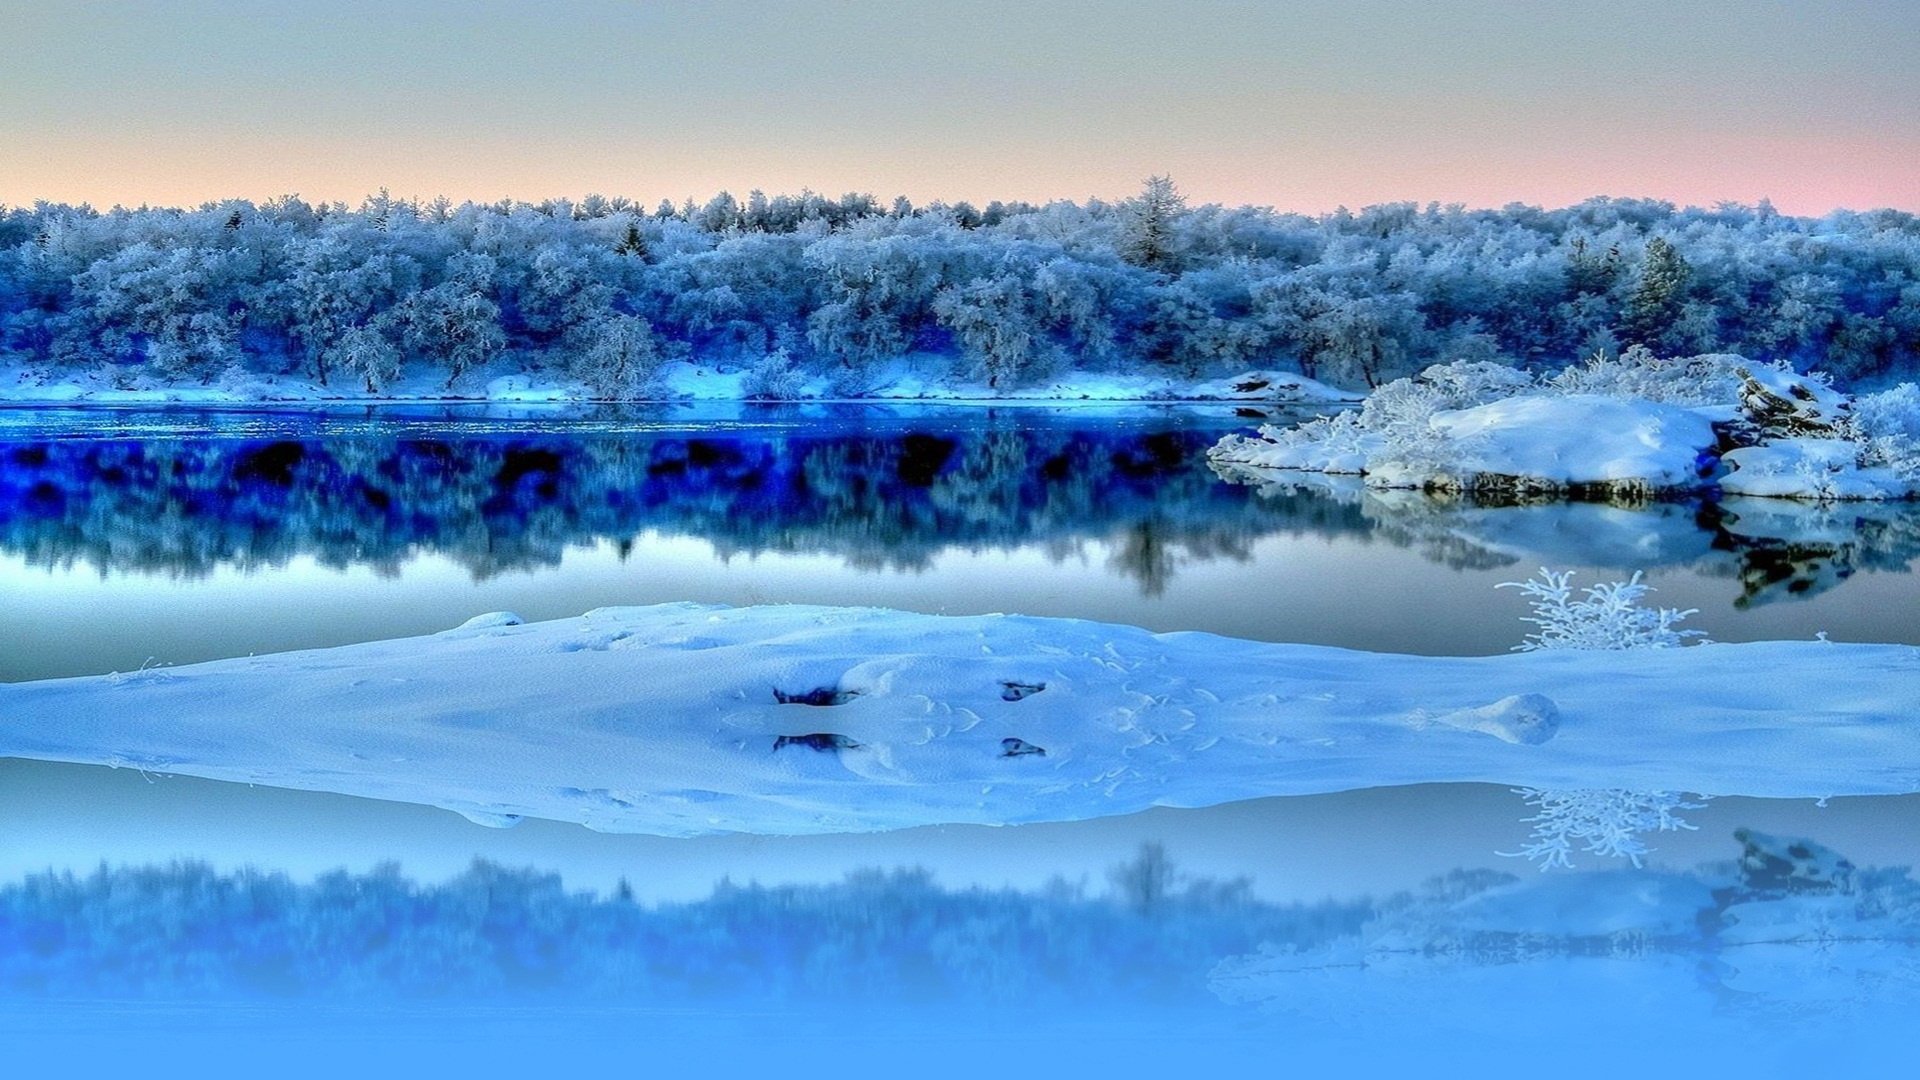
[1639, 375]
[1605, 616]
[1609, 822]
[1893, 413]
[774, 378]
[621, 359]
[1889, 427]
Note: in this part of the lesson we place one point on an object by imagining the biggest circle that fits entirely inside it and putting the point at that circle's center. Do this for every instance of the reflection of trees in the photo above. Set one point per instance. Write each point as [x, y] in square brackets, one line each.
[499, 503]
[1775, 548]
[188, 931]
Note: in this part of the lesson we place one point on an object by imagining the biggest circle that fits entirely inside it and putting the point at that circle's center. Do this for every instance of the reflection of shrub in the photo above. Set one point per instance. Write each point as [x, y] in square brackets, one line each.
[1605, 616]
[1609, 822]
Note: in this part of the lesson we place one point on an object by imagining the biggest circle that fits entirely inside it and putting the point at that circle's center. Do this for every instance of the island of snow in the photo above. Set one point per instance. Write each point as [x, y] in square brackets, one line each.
[1635, 427]
[684, 719]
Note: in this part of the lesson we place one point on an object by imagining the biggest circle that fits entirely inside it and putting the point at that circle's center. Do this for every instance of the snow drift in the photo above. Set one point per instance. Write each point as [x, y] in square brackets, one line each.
[685, 719]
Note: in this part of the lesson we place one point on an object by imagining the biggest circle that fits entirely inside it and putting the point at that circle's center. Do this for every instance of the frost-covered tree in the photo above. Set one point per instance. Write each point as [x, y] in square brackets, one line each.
[621, 357]
[993, 322]
[1148, 237]
[1356, 298]
[1656, 301]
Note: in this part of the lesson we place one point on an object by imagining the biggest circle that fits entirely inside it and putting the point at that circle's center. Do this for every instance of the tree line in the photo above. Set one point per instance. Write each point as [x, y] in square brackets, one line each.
[810, 291]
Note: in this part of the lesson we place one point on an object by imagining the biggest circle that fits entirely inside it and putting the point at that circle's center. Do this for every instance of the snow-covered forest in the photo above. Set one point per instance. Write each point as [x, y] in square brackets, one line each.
[811, 296]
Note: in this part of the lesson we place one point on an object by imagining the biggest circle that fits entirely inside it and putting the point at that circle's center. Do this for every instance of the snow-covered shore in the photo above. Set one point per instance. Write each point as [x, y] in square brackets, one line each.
[1637, 426]
[685, 719]
[907, 380]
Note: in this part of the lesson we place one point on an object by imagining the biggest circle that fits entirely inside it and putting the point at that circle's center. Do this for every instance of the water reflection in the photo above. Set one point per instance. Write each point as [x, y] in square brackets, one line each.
[506, 503]
[120, 529]
[893, 500]
[1784, 926]
[1775, 549]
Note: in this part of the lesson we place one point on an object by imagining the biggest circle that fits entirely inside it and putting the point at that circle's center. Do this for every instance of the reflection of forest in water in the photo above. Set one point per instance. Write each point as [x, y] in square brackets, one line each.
[499, 504]
[894, 500]
[1784, 928]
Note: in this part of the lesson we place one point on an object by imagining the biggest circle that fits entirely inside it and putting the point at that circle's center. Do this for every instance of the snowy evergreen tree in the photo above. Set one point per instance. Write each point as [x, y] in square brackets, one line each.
[1148, 239]
[1655, 303]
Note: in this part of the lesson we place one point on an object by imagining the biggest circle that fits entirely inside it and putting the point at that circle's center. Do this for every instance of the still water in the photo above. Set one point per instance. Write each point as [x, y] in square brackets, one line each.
[133, 539]
[136, 539]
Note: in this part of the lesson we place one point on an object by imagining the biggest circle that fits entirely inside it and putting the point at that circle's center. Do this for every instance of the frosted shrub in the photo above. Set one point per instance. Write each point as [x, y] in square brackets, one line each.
[1637, 374]
[1889, 427]
[1604, 616]
[1609, 822]
[775, 378]
[1893, 413]
[1465, 383]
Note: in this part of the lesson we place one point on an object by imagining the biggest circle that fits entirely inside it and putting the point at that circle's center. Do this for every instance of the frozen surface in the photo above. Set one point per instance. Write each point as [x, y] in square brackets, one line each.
[688, 719]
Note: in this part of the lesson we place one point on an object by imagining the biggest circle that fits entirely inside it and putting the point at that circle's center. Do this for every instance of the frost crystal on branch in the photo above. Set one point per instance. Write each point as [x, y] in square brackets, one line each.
[1609, 822]
[1606, 616]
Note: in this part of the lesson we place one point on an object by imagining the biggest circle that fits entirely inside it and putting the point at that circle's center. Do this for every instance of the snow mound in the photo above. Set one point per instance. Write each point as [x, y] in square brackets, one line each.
[489, 621]
[683, 719]
[1824, 469]
[1528, 444]
[1563, 442]
[1633, 427]
[1522, 718]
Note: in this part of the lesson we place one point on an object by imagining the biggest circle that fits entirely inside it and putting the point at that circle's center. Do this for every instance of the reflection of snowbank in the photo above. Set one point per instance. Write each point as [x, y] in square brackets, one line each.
[668, 719]
[1790, 924]
[1776, 548]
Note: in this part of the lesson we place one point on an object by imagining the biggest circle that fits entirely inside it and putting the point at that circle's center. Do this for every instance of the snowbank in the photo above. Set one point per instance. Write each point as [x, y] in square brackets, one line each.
[908, 379]
[1527, 444]
[685, 719]
[1808, 468]
[1637, 426]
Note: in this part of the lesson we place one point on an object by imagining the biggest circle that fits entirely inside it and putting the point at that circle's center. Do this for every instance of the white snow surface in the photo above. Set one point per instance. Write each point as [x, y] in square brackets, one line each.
[1553, 441]
[1825, 469]
[1636, 425]
[1581, 439]
[666, 719]
[910, 378]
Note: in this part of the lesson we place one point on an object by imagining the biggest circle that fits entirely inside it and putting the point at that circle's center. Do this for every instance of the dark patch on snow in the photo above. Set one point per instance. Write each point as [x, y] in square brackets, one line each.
[1017, 691]
[1248, 386]
[1011, 747]
[821, 697]
[818, 741]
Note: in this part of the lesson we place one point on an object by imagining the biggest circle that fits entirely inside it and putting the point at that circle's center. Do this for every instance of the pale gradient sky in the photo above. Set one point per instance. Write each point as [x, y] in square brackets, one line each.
[1299, 105]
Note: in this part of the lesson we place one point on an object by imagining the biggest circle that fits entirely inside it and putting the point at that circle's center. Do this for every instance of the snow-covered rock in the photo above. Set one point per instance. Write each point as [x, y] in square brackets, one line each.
[1781, 404]
[683, 719]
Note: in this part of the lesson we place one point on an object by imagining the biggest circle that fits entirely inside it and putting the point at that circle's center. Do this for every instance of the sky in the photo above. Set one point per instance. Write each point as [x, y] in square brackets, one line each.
[1297, 105]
